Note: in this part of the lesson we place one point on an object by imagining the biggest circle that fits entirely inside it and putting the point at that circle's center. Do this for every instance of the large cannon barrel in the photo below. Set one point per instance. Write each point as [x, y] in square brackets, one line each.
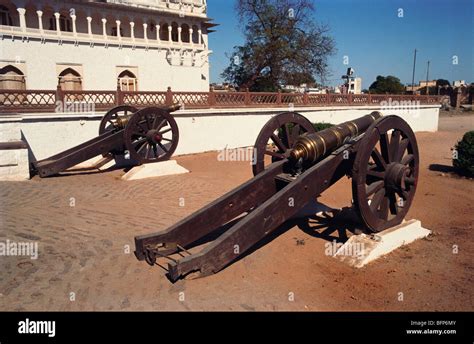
[311, 147]
[122, 121]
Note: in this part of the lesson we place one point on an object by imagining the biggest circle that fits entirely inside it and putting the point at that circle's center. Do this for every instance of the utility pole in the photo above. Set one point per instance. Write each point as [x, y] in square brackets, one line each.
[413, 75]
[427, 76]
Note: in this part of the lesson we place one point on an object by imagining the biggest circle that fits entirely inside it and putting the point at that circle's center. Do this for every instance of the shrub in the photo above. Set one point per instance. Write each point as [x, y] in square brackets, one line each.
[464, 162]
[322, 125]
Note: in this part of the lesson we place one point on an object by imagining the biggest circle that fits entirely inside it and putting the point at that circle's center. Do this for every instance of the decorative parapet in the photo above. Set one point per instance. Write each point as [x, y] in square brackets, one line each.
[17, 101]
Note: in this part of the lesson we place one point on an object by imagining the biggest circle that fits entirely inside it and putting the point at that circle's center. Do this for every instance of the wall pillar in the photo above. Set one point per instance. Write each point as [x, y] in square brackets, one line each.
[145, 33]
[132, 30]
[58, 25]
[40, 20]
[118, 29]
[89, 26]
[104, 27]
[74, 31]
[21, 13]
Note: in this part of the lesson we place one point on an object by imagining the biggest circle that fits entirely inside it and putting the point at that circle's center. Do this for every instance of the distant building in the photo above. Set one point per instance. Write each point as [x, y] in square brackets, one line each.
[459, 83]
[421, 84]
[354, 86]
[136, 45]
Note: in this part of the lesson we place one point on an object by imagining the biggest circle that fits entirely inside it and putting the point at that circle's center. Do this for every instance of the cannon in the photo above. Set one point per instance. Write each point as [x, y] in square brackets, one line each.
[293, 162]
[143, 136]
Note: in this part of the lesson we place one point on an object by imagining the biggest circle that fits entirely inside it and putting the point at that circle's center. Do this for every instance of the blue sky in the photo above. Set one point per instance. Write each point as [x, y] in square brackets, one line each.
[375, 39]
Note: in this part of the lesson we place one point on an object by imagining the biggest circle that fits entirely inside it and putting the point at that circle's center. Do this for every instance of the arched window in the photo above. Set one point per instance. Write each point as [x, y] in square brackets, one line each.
[70, 80]
[128, 81]
[185, 33]
[64, 23]
[11, 78]
[195, 34]
[164, 33]
[174, 31]
[5, 17]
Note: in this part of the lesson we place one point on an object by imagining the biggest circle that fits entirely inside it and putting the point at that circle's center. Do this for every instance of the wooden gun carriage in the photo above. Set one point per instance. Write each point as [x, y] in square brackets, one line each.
[379, 153]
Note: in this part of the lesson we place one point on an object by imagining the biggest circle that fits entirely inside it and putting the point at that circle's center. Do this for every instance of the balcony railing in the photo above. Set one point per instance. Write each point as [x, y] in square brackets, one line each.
[20, 101]
[65, 36]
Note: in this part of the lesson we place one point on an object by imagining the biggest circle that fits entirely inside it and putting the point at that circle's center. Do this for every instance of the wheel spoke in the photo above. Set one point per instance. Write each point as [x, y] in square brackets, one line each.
[376, 174]
[149, 121]
[162, 147]
[155, 150]
[378, 159]
[139, 141]
[155, 120]
[147, 151]
[295, 132]
[393, 204]
[275, 154]
[286, 135]
[137, 133]
[394, 145]
[383, 212]
[407, 159]
[403, 146]
[165, 131]
[278, 142]
[403, 194]
[375, 203]
[374, 187]
[141, 147]
[384, 147]
[139, 125]
[162, 123]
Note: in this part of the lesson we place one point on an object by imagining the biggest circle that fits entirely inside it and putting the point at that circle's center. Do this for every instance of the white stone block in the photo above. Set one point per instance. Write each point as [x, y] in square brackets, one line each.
[14, 165]
[157, 169]
[362, 249]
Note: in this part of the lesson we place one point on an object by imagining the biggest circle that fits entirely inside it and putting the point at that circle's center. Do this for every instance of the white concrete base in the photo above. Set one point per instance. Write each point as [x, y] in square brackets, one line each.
[14, 163]
[100, 163]
[362, 249]
[157, 169]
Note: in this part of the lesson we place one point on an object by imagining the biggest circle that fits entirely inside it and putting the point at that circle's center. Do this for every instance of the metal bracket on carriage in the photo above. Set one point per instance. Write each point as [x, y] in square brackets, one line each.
[164, 250]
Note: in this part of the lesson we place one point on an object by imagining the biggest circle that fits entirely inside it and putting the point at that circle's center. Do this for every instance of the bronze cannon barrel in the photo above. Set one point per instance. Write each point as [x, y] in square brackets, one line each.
[122, 121]
[311, 147]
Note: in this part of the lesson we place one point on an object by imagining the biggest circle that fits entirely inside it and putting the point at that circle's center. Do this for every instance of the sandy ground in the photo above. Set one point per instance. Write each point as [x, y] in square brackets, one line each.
[84, 262]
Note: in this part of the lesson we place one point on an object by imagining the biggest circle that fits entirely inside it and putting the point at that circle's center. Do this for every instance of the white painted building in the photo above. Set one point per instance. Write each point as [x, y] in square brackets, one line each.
[354, 86]
[143, 45]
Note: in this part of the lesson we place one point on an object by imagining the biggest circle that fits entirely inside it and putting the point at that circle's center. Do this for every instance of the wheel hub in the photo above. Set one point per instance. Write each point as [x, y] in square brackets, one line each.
[153, 136]
[396, 175]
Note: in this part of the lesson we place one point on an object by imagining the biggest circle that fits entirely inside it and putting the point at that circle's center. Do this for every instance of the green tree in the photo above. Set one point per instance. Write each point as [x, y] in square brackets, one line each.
[389, 84]
[442, 82]
[283, 45]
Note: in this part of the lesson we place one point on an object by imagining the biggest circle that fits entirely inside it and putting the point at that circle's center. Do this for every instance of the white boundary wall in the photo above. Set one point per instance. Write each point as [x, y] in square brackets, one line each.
[200, 130]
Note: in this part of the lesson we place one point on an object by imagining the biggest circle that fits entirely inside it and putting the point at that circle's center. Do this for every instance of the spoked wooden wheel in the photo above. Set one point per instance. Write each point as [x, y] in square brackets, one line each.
[385, 173]
[110, 121]
[277, 136]
[151, 135]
